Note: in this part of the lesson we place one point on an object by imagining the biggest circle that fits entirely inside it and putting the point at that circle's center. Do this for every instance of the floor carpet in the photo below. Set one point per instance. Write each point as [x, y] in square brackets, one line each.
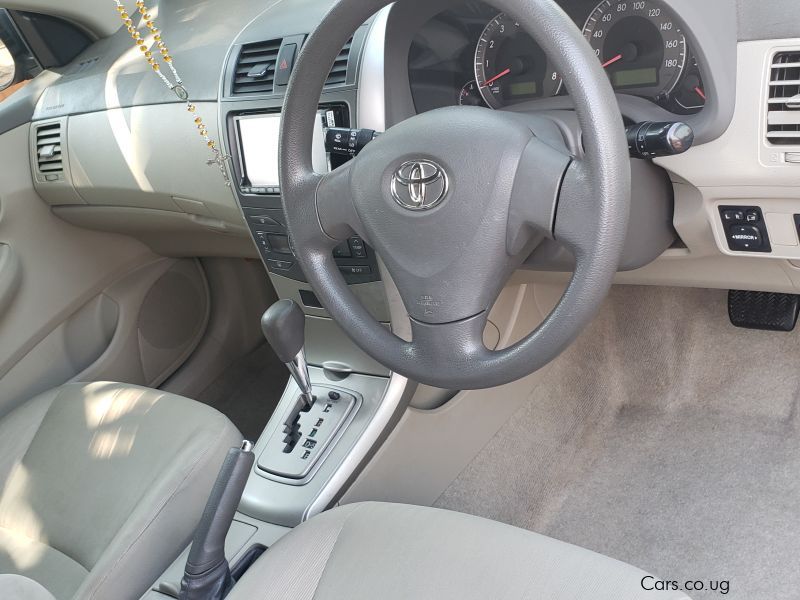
[664, 437]
[249, 390]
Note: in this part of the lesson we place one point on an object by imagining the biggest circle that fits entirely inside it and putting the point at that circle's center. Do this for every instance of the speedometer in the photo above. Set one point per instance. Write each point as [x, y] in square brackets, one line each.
[640, 44]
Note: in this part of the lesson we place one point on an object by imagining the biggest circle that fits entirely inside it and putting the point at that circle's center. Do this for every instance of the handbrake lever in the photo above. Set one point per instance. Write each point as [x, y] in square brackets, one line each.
[207, 575]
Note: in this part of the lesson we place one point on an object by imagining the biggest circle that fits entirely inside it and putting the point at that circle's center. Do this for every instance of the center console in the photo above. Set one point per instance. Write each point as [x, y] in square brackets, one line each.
[252, 93]
[253, 138]
[340, 404]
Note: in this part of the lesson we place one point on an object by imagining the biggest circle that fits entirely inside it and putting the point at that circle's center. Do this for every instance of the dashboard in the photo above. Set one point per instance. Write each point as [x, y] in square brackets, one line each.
[709, 64]
[472, 55]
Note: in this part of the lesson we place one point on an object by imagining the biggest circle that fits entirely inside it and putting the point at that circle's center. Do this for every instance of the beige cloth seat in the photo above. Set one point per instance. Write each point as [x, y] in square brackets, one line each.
[101, 487]
[398, 552]
[17, 587]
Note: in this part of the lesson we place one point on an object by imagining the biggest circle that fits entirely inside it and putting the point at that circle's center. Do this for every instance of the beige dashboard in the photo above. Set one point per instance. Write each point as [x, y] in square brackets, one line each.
[139, 171]
[741, 168]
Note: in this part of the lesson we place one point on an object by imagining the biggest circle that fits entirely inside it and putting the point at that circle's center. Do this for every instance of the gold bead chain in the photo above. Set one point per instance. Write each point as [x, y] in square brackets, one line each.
[177, 87]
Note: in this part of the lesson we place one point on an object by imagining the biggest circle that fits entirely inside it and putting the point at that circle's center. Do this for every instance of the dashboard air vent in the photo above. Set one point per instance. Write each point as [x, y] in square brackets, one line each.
[338, 74]
[783, 110]
[48, 149]
[255, 68]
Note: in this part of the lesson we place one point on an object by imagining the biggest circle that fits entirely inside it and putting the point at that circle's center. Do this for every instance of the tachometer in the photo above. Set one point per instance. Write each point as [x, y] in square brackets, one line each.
[640, 44]
[509, 66]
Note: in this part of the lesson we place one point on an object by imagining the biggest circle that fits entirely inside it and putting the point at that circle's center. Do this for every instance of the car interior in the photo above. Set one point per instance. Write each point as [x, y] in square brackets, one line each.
[412, 299]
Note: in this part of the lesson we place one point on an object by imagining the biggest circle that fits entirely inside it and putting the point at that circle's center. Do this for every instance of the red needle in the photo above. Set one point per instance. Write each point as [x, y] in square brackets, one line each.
[496, 77]
[700, 92]
[611, 61]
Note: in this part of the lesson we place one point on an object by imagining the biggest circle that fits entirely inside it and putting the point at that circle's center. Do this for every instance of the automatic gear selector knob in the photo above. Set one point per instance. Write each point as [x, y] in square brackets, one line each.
[284, 326]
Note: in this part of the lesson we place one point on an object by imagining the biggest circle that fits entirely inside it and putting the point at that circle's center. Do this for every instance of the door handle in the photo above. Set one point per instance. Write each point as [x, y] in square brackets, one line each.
[10, 276]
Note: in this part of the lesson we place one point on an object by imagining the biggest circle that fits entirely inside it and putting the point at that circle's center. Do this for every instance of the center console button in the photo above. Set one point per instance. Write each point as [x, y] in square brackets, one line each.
[357, 248]
[261, 240]
[355, 269]
[264, 221]
[280, 265]
[279, 243]
[342, 251]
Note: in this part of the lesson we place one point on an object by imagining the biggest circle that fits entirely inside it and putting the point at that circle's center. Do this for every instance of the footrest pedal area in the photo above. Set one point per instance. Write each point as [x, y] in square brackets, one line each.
[763, 310]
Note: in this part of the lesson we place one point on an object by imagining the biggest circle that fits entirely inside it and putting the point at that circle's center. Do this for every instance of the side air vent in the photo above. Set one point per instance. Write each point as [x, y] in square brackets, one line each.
[783, 110]
[255, 68]
[48, 150]
[338, 74]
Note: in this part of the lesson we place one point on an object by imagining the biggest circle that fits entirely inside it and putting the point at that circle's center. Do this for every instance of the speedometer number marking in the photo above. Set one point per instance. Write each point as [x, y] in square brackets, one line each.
[640, 44]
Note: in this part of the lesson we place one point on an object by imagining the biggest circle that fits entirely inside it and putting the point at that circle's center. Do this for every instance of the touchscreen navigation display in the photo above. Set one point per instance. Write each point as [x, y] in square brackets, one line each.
[258, 139]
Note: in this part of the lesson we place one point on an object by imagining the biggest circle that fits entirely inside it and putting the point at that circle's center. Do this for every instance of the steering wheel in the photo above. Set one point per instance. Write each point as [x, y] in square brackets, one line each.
[451, 220]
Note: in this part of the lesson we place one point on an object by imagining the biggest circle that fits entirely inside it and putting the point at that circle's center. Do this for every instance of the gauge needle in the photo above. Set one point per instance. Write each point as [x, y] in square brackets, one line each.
[496, 77]
[700, 92]
[611, 61]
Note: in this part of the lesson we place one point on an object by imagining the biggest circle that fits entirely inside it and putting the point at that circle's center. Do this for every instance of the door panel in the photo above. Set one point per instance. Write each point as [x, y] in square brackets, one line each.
[9, 277]
[60, 267]
[139, 330]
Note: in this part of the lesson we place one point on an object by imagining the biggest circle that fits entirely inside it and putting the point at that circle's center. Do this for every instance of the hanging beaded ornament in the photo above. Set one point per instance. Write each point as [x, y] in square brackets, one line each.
[177, 85]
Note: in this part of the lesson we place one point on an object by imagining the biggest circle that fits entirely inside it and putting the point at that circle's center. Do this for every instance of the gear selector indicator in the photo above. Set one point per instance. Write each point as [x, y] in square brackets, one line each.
[315, 430]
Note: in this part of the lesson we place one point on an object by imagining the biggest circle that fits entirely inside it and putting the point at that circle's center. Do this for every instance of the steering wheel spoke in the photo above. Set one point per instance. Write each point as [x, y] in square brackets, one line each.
[334, 203]
[461, 341]
[579, 218]
[534, 199]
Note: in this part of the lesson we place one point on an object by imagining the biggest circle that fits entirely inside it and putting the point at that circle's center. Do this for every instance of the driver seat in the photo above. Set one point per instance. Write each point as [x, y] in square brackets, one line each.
[101, 488]
[399, 552]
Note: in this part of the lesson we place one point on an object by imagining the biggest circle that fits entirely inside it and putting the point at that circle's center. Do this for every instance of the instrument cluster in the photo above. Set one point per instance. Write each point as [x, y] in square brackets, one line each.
[639, 43]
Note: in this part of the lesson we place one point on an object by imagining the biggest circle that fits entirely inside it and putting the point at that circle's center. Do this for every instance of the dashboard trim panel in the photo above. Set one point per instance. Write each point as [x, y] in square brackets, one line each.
[710, 28]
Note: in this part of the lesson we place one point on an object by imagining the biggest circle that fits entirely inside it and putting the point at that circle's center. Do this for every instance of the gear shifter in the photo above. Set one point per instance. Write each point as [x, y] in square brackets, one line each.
[308, 424]
[284, 327]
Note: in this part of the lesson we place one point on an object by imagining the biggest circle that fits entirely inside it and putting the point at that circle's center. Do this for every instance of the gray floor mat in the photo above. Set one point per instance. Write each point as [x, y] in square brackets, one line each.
[249, 390]
[665, 438]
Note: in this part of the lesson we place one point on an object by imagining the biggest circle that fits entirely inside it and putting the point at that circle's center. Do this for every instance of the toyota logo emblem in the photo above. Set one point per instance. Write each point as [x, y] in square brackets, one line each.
[419, 185]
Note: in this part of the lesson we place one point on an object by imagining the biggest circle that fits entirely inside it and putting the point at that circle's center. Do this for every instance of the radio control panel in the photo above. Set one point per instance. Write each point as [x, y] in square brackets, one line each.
[355, 259]
[254, 150]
